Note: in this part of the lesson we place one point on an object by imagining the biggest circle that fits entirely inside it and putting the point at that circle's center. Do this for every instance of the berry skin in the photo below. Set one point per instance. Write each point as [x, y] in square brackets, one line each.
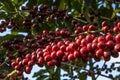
[19, 72]
[89, 47]
[117, 38]
[89, 38]
[71, 57]
[76, 53]
[101, 38]
[109, 37]
[59, 53]
[47, 58]
[117, 48]
[110, 44]
[101, 45]
[28, 69]
[13, 64]
[83, 51]
[99, 53]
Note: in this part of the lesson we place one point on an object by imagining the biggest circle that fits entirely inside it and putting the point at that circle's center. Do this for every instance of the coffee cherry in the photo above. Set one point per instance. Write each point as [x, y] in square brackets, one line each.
[99, 53]
[110, 44]
[115, 29]
[85, 28]
[101, 45]
[89, 38]
[59, 53]
[117, 48]
[19, 72]
[50, 63]
[104, 23]
[109, 37]
[71, 57]
[101, 38]
[47, 58]
[117, 38]
[13, 64]
[106, 55]
[28, 69]
[89, 47]
[24, 61]
[83, 51]
[76, 53]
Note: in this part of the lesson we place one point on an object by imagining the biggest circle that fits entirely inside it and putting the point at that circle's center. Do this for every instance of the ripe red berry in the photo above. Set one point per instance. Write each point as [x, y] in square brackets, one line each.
[94, 46]
[63, 48]
[83, 51]
[89, 47]
[91, 27]
[89, 38]
[105, 28]
[24, 61]
[110, 44]
[64, 58]
[76, 53]
[85, 28]
[55, 48]
[101, 38]
[53, 54]
[109, 37]
[50, 63]
[117, 48]
[106, 54]
[71, 57]
[60, 53]
[28, 56]
[47, 58]
[117, 38]
[101, 45]
[19, 72]
[115, 29]
[104, 23]
[13, 64]
[99, 53]
[28, 69]
[84, 42]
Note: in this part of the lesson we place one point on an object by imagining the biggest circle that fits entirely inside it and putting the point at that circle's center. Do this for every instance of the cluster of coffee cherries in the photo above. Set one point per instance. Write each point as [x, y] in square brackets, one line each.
[84, 44]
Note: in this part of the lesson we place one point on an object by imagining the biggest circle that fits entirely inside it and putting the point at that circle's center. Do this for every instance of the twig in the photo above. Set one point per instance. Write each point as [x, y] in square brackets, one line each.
[80, 20]
[105, 18]
[10, 74]
[2, 63]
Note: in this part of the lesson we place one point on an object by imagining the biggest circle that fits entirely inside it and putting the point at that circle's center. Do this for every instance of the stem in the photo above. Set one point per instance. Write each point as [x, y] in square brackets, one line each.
[105, 18]
[78, 19]
[2, 63]
[10, 74]
[101, 68]
[92, 70]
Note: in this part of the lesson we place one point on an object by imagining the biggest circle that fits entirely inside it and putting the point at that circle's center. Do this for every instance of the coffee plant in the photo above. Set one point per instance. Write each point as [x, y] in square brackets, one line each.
[69, 35]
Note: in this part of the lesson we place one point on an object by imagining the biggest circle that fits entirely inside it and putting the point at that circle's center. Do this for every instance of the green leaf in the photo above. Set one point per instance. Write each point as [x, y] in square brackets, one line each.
[18, 3]
[3, 15]
[43, 77]
[114, 13]
[61, 4]
[82, 76]
[40, 72]
[57, 74]
[31, 3]
[25, 13]
[8, 5]
[9, 37]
